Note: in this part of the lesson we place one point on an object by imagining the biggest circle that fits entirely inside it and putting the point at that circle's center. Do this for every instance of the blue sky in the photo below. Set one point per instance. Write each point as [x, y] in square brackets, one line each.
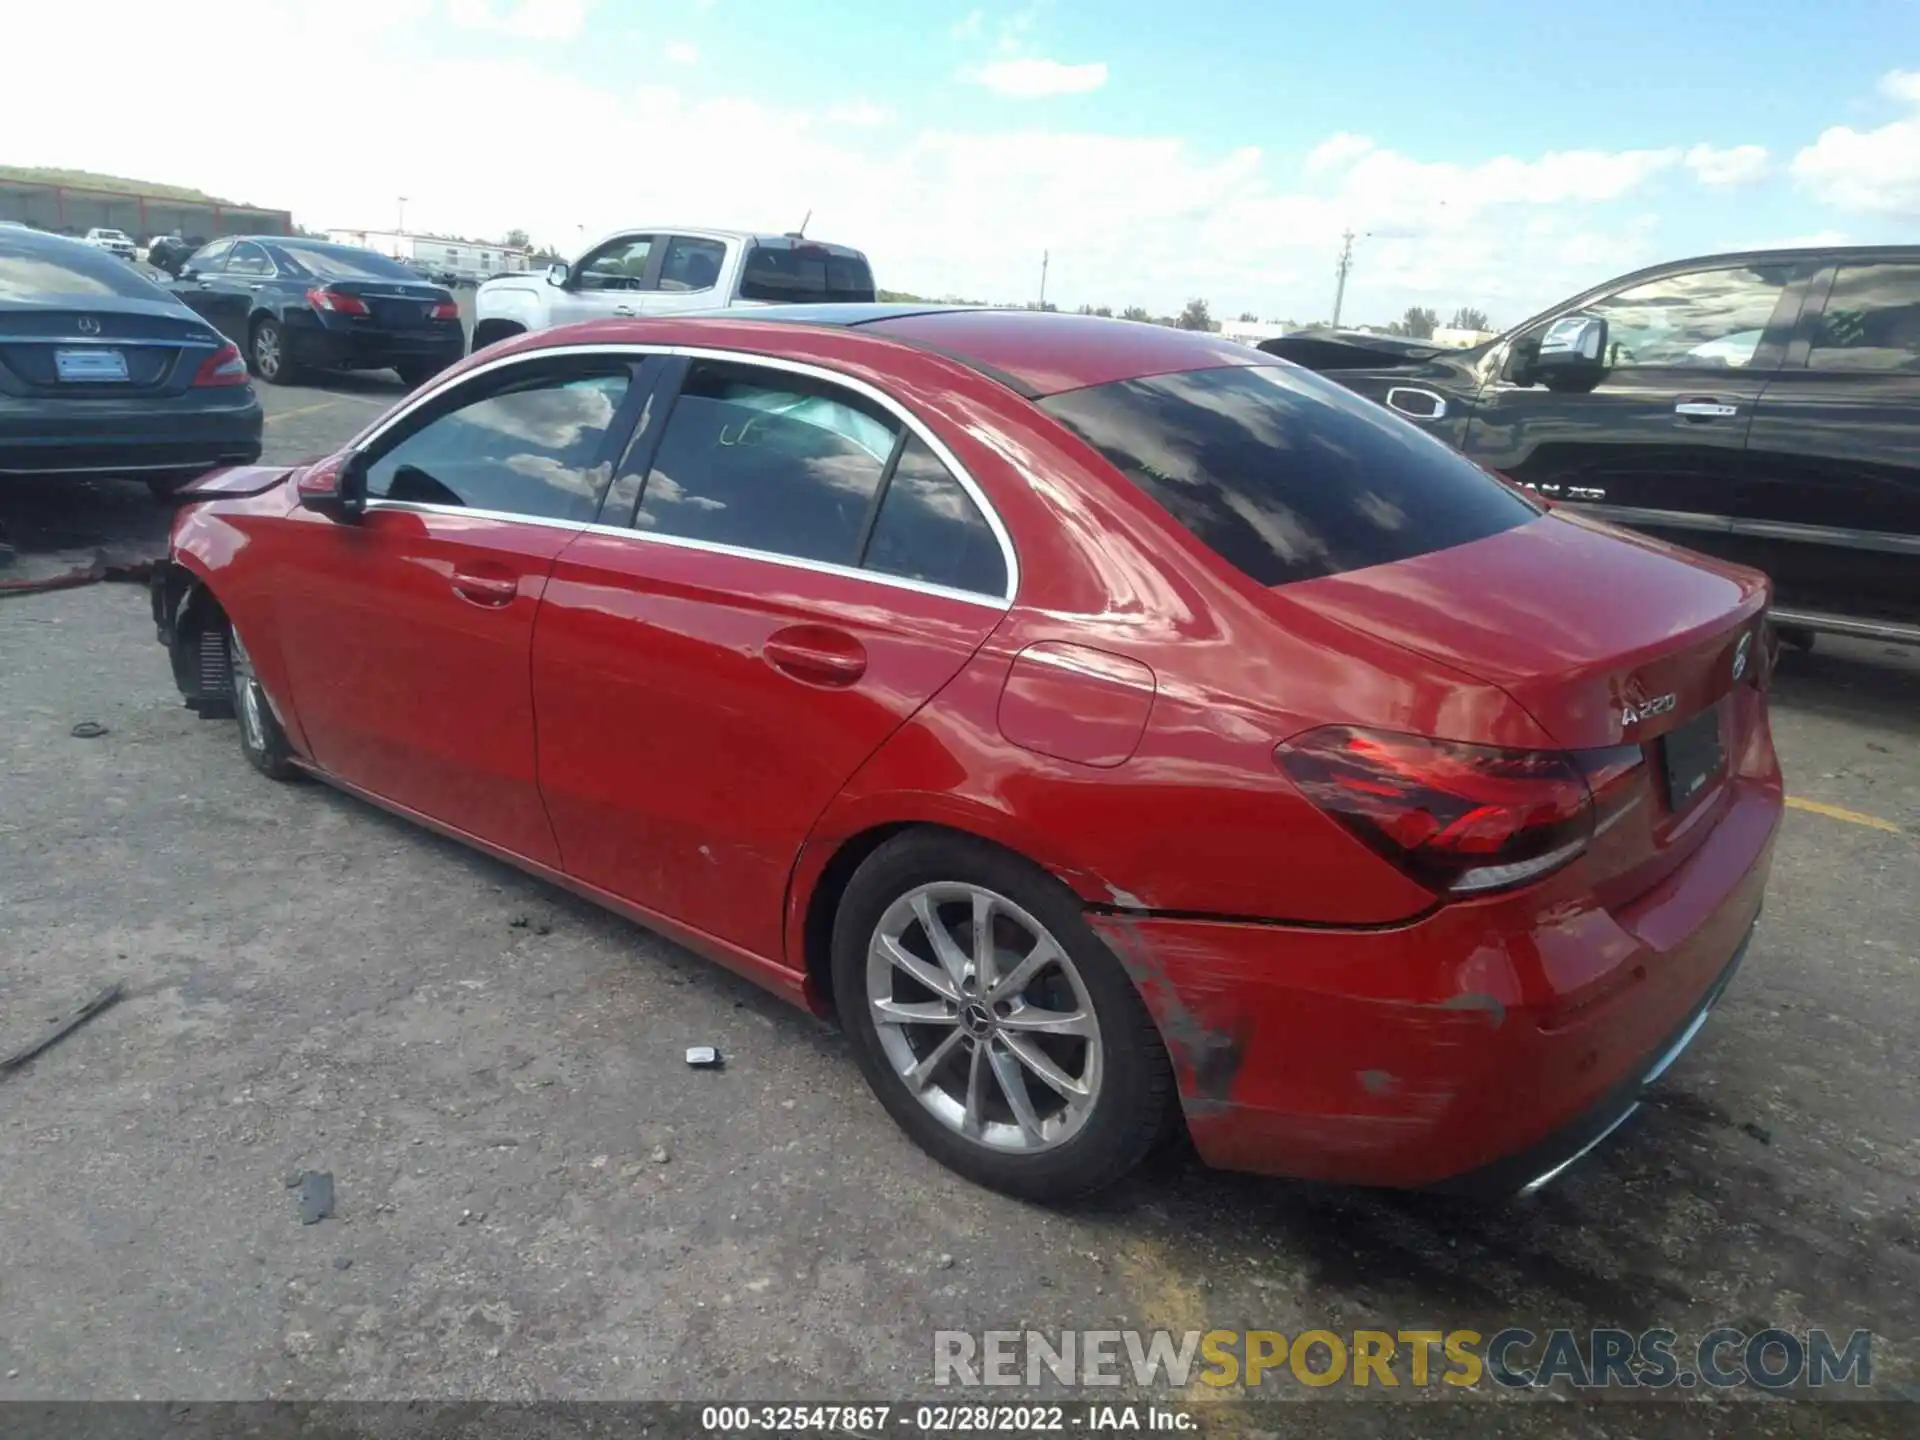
[1491, 154]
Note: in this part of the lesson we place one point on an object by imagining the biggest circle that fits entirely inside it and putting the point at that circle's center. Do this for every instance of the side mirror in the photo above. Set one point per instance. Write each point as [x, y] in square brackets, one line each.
[1572, 352]
[557, 274]
[336, 488]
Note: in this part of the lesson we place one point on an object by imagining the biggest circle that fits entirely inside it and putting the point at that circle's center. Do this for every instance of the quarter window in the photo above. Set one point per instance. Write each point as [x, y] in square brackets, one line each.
[531, 446]
[767, 461]
[1707, 320]
[1872, 321]
[619, 265]
[929, 529]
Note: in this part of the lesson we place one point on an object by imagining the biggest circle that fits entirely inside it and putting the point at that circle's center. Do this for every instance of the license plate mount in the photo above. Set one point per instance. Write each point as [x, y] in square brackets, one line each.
[90, 367]
[1691, 757]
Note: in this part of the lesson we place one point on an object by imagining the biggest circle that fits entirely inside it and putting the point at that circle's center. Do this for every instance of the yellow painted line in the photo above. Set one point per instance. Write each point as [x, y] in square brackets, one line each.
[305, 410]
[1834, 812]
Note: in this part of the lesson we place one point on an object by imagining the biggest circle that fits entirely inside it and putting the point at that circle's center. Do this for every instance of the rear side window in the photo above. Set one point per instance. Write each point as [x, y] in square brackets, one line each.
[767, 461]
[344, 262]
[804, 275]
[929, 529]
[39, 268]
[1287, 476]
[691, 263]
[1871, 323]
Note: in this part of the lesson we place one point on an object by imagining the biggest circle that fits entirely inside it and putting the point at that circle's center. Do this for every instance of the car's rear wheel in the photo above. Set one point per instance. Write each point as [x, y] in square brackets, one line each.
[261, 739]
[267, 350]
[415, 373]
[993, 1024]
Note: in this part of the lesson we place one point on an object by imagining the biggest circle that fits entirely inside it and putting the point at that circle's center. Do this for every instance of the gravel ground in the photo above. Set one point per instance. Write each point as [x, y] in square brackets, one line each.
[537, 1198]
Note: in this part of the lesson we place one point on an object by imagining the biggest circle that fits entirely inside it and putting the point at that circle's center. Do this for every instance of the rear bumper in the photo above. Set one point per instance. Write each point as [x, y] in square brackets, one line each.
[1480, 1049]
[360, 348]
[176, 435]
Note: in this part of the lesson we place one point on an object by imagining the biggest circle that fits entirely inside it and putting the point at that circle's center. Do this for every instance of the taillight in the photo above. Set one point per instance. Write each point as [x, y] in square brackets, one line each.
[446, 310]
[1462, 819]
[321, 298]
[225, 366]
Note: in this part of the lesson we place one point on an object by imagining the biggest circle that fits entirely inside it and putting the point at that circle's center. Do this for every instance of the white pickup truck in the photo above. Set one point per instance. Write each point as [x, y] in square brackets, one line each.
[657, 270]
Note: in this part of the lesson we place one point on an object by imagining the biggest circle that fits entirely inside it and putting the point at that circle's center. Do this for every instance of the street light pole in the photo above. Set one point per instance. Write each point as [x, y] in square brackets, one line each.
[1341, 270]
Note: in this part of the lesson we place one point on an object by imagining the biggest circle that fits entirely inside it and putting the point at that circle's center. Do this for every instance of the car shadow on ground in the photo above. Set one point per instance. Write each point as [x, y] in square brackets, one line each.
[1879, 684]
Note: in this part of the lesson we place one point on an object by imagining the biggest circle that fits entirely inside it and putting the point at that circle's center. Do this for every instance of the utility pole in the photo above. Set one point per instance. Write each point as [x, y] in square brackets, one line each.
[1043, 279]
[402, 225]
[1345, 265]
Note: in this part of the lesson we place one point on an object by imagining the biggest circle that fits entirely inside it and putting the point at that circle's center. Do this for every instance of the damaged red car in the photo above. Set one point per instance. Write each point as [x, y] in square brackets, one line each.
[1117, 728]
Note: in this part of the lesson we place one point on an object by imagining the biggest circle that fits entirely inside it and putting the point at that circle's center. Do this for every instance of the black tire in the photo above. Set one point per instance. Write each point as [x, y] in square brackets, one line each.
[165, 487]
[1133, 1106]
[415, 373]
[490, 332]
[262, 740]
[267, 353]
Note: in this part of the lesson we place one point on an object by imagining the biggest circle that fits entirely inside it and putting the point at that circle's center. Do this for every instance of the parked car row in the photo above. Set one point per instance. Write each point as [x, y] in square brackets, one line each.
[1763, 407]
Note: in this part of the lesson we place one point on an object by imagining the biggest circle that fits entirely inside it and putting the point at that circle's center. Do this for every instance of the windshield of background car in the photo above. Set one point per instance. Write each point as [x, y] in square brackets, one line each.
[38, 270]
[804, 275]
[345, 263]
[1287, 476]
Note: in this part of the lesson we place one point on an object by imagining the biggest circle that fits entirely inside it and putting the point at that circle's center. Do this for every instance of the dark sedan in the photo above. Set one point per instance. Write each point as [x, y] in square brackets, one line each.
[102, 372]
[294, 304]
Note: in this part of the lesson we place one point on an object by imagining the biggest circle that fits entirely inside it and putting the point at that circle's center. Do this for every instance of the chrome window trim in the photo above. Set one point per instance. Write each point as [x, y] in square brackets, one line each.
[1002, 601]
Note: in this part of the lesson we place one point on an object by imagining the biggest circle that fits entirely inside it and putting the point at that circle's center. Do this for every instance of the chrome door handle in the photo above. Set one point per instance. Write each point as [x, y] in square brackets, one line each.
[1706, 409]
[626, 310]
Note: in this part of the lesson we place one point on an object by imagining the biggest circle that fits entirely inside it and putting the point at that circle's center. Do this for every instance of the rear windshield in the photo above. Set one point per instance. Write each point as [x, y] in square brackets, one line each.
[807, 275]
[39, 268]
[1287, 476]
[345, 263]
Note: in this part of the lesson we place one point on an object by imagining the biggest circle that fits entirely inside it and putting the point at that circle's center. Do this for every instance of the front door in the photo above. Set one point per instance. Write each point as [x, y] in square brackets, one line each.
[1831, 503]
[618, 278]
[407, 636]
[1659, 442]
[802, 571]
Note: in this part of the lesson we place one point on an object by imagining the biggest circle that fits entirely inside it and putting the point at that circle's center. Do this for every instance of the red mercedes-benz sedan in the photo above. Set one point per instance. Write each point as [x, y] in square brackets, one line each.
[1113, 725]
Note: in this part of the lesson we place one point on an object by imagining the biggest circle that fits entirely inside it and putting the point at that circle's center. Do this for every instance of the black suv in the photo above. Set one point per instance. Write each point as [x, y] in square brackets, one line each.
[1763, 407]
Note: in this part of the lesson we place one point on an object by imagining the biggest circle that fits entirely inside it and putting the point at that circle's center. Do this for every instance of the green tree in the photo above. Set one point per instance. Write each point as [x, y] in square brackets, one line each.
[517, 240]
[1247, 317]
[1105, 312]
[1468, 318]
[1418, 323]
[1195, 317]
[1135, 312]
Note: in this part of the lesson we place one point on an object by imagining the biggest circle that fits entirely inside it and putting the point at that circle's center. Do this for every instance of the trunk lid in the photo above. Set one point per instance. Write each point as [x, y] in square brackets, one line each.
[158, 346]
[1607, 639]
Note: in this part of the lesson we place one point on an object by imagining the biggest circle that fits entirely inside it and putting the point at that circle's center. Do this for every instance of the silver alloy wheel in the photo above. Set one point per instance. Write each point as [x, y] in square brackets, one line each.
[984, 1017]
[266, 351]
[250, 699]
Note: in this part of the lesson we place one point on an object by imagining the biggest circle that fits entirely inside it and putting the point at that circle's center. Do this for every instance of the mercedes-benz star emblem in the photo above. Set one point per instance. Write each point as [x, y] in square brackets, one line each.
[88, 325]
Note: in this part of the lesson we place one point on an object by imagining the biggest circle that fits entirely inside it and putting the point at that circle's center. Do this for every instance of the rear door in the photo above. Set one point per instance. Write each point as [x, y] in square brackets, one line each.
[1831, 503]
[229, 294]
[1659, 442]
[620, 277]
[406, 636]
[691, 269]
[197, 284]
[789, 569]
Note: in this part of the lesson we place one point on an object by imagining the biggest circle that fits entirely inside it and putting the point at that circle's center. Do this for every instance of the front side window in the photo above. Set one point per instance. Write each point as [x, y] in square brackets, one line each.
[249, 260]
[618, 265]
[1872, 321]
[1287, 476]
[210, 258]
[1708, 320]
[531, 445]
[929, 529]
[691, 263]
[767, 461]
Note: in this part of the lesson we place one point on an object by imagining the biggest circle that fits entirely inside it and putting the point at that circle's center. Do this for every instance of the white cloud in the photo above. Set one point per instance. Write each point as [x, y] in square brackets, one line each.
[1335, 152]
[1030, 79]
[1873, 171]
[1736, 165]
[969, 26]
[858, 114]
[522, 19]
[680, 52]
